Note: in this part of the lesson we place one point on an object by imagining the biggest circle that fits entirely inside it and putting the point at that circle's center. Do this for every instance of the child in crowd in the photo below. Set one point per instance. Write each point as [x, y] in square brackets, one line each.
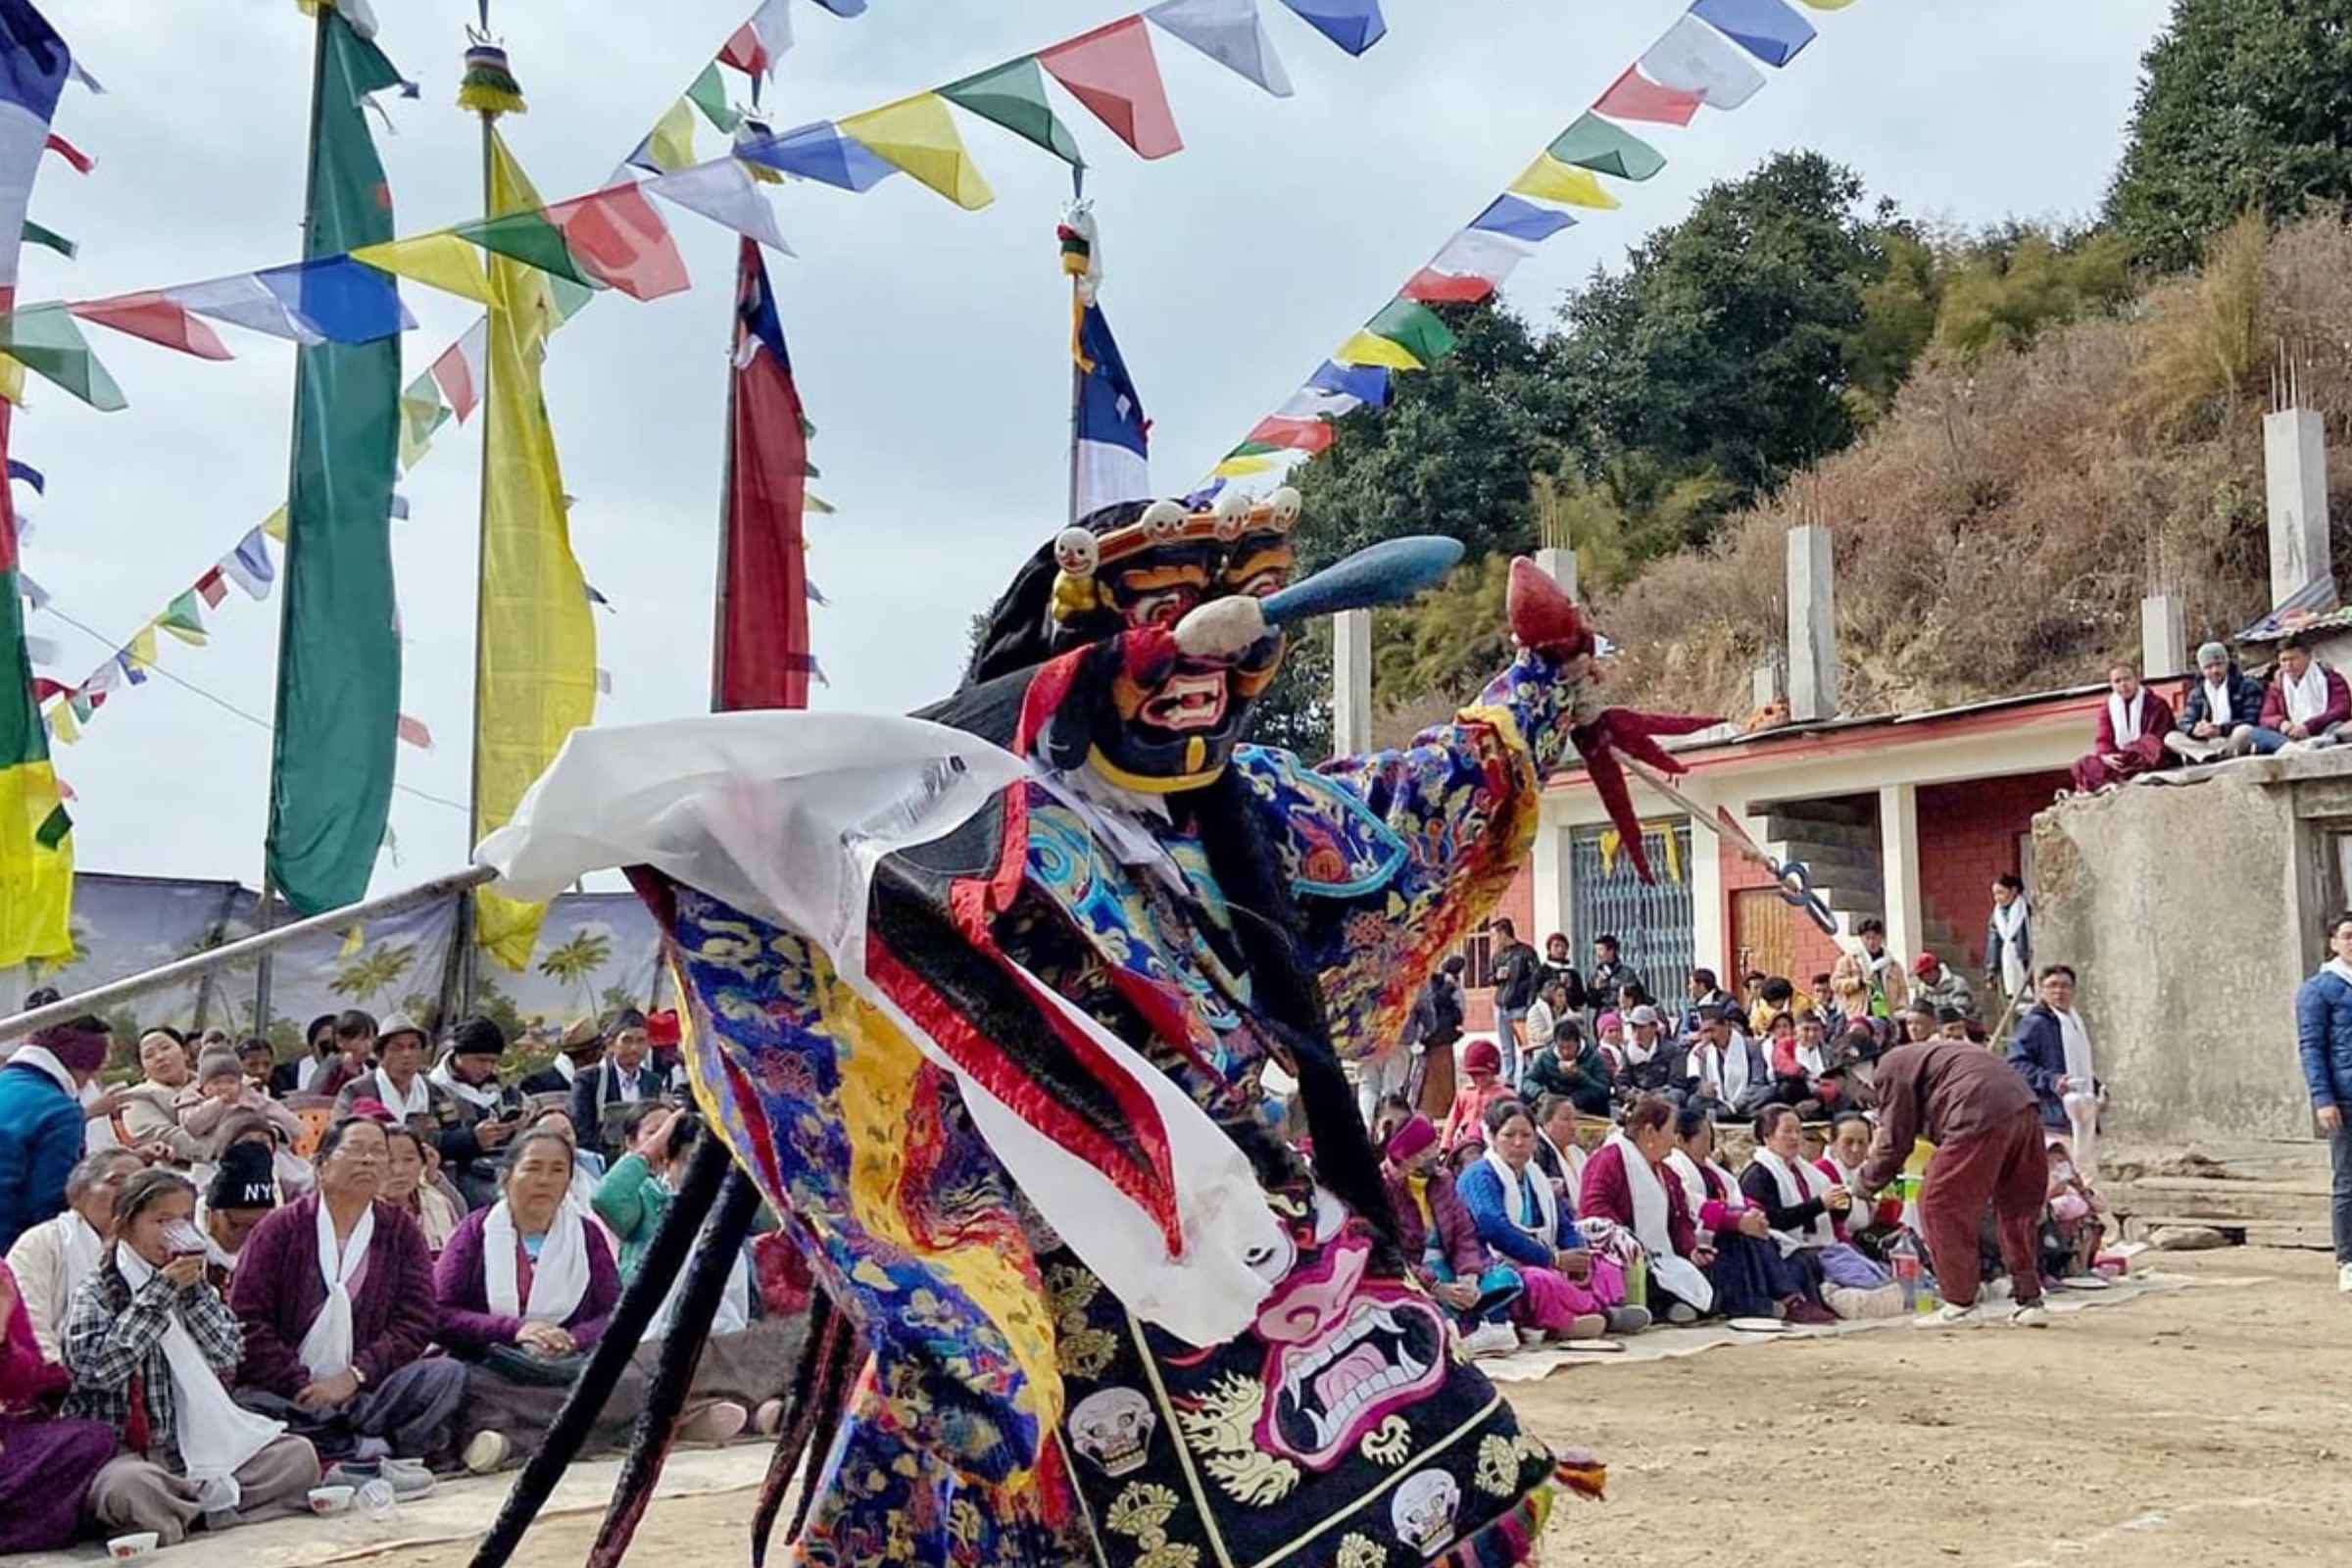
[2076, 1222]
[1482, 1063]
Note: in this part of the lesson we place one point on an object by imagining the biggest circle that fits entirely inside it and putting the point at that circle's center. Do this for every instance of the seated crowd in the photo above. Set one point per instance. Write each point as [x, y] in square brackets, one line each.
[2224, 712]
[212, 1304]
[1528, 1233]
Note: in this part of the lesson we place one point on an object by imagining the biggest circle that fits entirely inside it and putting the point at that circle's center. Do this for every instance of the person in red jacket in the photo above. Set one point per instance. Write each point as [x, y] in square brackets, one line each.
[335, 1296]
[2132, 727]
[2307, 706]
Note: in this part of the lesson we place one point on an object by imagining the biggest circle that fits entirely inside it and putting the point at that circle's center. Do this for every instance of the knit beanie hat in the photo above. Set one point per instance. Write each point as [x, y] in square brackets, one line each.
[218, 1061]
[243, 1180]
[80, 1045]
[1410, 1139]
[1481, 1055]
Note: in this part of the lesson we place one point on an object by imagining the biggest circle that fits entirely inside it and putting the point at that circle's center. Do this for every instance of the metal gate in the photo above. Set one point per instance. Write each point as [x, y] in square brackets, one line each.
[1652, 923]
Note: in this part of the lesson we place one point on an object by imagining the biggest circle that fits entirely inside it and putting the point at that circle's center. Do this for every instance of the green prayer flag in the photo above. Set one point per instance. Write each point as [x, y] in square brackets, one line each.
[338, 669]
[36, 234]
[1013, 95]
[1597, 144]
[1251, 449]
[1414, 328]
[528, 238]
[54, 827]
[709, 94]
[48, 341]
[185, 615]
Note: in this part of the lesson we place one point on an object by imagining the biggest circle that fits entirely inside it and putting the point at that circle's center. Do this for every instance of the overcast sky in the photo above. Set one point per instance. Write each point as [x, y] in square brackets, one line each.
[929, 342]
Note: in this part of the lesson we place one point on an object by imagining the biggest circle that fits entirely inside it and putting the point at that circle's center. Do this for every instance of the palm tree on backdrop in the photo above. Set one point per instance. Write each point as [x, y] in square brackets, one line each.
[373, 972]
[576, 962]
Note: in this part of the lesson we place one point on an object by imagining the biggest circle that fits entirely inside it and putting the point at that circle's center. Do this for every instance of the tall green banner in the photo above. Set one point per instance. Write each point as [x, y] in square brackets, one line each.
[338, 663]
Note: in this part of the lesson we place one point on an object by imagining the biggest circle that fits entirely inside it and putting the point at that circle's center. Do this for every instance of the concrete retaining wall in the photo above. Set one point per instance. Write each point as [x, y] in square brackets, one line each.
[2191, 914]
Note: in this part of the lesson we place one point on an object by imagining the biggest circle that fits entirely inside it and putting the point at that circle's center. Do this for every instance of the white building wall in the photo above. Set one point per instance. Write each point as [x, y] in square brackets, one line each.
[1900, 759]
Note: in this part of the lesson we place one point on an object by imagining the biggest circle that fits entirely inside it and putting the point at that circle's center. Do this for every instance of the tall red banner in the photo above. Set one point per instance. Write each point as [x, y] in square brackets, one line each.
[763, 619]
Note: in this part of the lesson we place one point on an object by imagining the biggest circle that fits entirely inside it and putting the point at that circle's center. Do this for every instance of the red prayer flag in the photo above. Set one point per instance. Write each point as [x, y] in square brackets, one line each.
[746, 51]
[455, 375]
[616, 236]
[82, 162]
[1432, 287]
[214, 586]
[157, 319]
[1633, 96]
[1113, 72]
[43, 688]
[413, 732]
[763, 659]
[1299, 435]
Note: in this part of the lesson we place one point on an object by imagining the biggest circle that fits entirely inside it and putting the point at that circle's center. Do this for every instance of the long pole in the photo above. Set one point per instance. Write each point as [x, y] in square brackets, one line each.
[265, 912]
[1077, 375]
[468, 949]
[726, 527]
[248, 950]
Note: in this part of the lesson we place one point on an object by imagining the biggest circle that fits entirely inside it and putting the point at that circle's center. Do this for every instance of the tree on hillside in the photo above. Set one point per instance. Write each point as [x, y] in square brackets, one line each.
[1725, 343]
[2244, 104]
[1452, 452]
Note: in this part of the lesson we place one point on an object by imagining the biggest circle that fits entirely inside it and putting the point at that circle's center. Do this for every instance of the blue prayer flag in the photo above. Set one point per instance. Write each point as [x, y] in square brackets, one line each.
[1367, 383]
[29, 474]
[818, 151]
[1355, 25]
[1522, 219]
[342, 300]
[1770, 30]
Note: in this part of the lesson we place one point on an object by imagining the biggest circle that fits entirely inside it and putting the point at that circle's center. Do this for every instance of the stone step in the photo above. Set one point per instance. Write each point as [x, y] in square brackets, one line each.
[2239, 1232]
[1783, 828]
[1833, 866]
[1856, 901]
[2220, 1201]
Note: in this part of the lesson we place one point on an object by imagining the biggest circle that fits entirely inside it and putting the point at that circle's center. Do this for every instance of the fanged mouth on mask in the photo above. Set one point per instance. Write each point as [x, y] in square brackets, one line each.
[1192, 698]
[1328, 1394]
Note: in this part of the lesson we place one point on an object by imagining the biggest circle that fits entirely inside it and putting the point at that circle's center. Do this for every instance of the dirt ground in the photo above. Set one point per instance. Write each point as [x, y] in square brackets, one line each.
[2200, 1429]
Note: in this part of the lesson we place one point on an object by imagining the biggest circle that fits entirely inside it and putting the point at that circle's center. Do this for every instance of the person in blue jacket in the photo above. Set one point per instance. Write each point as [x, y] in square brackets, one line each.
[1569, 1292]
[42, 1121]
[2324, 1037]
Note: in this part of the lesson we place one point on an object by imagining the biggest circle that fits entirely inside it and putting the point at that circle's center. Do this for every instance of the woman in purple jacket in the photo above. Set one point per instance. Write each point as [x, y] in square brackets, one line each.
[335, 1294]
[525, 1287]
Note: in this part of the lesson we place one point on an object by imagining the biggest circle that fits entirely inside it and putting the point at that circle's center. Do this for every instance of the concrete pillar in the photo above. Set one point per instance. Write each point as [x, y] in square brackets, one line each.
[1555, 882]
[1771, 683]
[1898, 855]
[1812, 625]
[1351, 683]
[1560, 566]
[2163, 637]
[2295, 453]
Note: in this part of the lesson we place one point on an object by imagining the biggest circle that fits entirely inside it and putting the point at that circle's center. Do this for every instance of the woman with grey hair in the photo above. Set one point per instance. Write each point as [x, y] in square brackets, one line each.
[52, 1260]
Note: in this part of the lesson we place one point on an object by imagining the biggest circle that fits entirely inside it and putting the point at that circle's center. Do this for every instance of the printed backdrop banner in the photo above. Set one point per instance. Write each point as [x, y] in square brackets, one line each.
[596, 951]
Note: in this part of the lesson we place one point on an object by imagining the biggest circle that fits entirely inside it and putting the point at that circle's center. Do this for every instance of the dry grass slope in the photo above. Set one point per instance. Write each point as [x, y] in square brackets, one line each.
[1997, 530]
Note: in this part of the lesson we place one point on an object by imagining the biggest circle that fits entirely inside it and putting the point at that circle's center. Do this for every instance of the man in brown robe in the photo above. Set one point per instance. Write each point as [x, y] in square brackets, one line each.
[2131, 730]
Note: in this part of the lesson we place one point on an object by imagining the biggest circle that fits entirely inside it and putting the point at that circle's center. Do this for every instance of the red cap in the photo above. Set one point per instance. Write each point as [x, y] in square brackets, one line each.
[1926, 963]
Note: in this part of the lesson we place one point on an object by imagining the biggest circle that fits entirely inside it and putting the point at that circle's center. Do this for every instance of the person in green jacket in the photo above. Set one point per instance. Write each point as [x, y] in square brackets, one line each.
[1570, 1066]
[636, 1192]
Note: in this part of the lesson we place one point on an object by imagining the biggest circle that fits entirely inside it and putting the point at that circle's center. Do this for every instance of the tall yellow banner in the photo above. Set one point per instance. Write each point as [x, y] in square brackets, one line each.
[538, 640]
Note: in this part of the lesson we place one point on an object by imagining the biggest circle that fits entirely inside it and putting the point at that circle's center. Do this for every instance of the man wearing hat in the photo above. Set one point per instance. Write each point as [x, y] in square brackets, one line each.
[398, 1080]
[474, 1114]
[1937, 983]
[41, 1119]
[579, 1051]
[240, 1195]
[2222, 711]
[627, 1074]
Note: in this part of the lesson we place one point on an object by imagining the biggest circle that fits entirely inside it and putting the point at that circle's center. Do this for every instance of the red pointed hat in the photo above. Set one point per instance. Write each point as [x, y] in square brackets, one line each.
[1542, 614]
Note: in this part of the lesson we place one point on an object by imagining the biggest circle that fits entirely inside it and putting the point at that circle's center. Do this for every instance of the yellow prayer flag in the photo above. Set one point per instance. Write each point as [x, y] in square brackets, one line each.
[37, 860]
[1829, 5]
[918, 135]
[62, 725]
[354, 939]
[1548, 179]
[1235, 467]
[1370, 347]
[274, 525]
[193, 636]
[11, 379]
[538, 651]
[439, 261]
[672, 141]
[142, 645]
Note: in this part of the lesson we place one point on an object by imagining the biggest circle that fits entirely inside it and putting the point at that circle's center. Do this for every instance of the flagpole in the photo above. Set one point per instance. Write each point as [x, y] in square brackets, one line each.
[265, 912]
[469, 965]
[727, 518]
[1077, 375]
